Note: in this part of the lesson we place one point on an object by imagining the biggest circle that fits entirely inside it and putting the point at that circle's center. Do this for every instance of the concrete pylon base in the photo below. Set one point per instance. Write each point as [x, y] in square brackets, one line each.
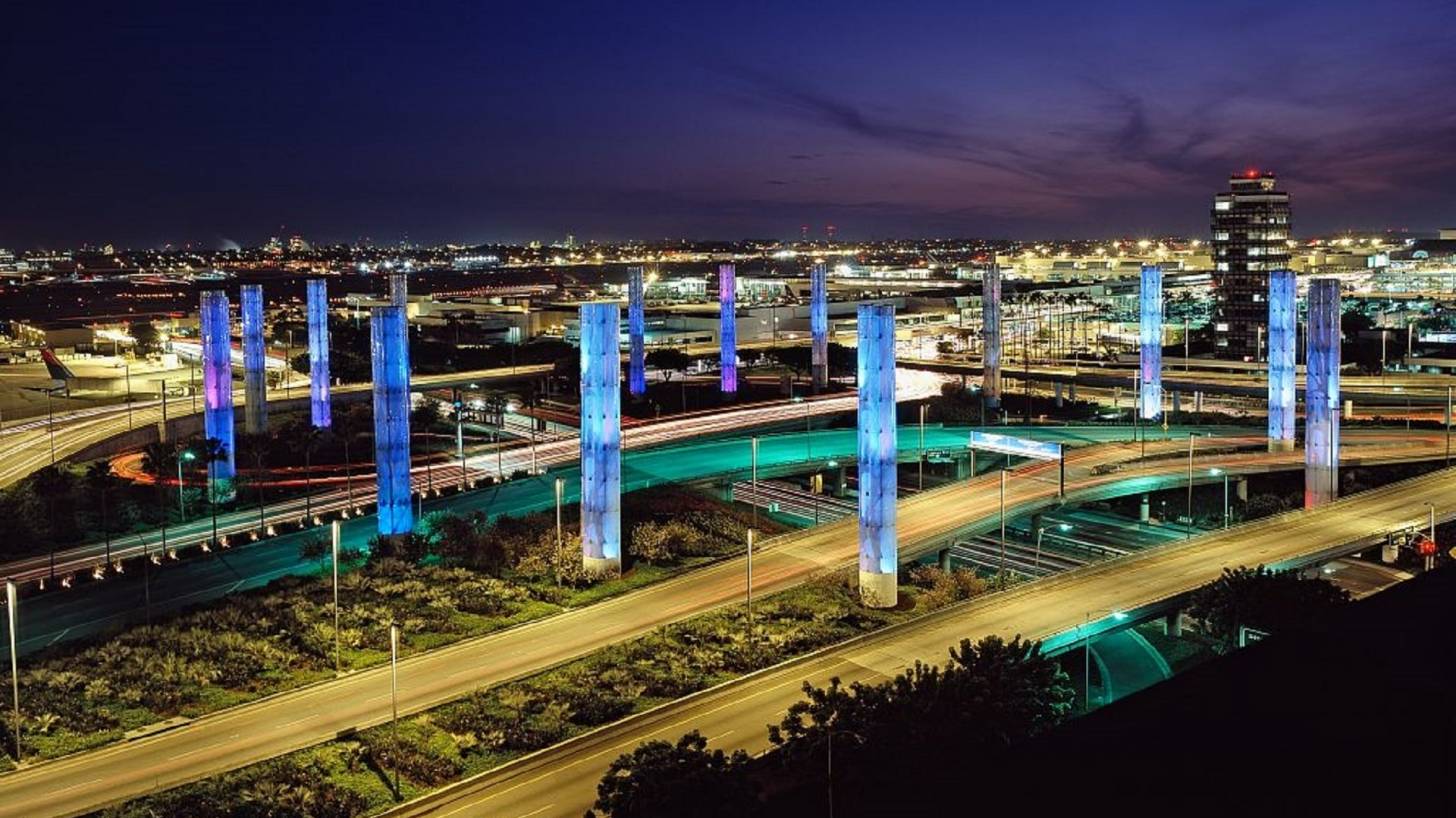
[1276, 445]
[878, 590]
[601, 566]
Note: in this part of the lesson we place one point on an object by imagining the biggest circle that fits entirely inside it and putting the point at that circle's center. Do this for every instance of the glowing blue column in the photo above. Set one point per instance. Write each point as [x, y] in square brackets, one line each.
[879, 562]
[1322, 393]
[255, 385]
[636, 328]
[1282, 316]
[389, 355]
[728, 328]
[217, 390]
[601, 439]
[819, 325]
[318, 353]
[1150, 332]
[991, 336]
[398, 290]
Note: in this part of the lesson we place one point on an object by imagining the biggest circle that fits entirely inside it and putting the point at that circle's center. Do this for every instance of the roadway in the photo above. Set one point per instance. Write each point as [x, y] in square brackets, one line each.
[528, 458]
[562, 780]
[306, 716]
[25, 445]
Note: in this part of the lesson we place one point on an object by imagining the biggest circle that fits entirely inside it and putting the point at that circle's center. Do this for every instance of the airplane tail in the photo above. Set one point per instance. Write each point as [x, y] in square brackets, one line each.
[57, 370]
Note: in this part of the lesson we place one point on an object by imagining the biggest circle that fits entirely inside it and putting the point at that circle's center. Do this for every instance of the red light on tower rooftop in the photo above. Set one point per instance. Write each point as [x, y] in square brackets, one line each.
[1252, 173]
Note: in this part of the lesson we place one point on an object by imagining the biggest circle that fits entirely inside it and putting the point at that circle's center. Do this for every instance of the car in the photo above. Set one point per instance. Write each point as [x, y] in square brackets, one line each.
[1107, 468]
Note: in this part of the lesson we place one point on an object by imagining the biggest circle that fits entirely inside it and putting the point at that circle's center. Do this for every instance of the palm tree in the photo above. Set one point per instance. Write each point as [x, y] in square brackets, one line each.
[305, 437]
[348, 425]
[101, 480]
[210, 451]
[51, 482]
[255, 448]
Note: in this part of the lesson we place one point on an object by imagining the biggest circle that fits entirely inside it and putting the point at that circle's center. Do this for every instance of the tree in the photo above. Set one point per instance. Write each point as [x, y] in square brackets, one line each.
[425, 415]
[100, 480]
[255, 448]
[313, 548]
[349, 424]
[668, 361]
[54, 484]
[798, 359]
[210, 451]
[1261, 598]
[663, 779]
[145, 336]
[305, 437]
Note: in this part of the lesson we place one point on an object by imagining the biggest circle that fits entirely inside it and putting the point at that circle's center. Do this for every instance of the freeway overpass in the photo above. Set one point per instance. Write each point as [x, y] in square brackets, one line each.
[26, 445]
[562, 780]
[303, 717]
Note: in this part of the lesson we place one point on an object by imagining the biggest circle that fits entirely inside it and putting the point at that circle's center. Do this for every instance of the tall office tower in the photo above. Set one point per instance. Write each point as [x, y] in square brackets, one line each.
[991, 335]
[389, 357]
[1150, 337]
[819, 325]
[1283, 312]
[318, 353]
[1322, 393]
[398, 289]
[1250, 235]
[636, 328]
[255, 384]
[217, 391]
[879, 562]
[727, 328]
[601, 439]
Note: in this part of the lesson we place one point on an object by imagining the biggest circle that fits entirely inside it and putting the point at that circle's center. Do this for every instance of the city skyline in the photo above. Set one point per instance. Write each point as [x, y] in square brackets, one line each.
[213, 126]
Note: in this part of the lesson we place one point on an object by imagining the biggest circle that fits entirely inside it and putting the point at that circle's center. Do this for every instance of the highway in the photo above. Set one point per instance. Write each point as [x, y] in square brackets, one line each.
[303, 717]
[26, 445]
[562, 780]
[527, 458]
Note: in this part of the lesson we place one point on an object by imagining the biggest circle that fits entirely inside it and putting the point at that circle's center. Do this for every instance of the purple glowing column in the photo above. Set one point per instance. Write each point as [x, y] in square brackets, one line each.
[1322, 393]
[1150, 337]
[318, 353]
[991, 336]
[601, 438]
[819, 325]
[636, 329]
[728, 328]
[255, 384]
[1282, 315]
[389, 356]
[217, 390]
[879, 562]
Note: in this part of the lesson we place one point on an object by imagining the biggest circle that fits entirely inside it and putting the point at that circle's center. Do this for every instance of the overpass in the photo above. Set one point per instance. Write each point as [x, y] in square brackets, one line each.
[562, 779]
[306, 716]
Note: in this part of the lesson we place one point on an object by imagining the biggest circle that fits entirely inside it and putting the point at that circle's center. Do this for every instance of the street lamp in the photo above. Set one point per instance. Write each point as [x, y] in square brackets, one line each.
[186, 456]
[1216, 471]
[12, 602]
[753, 444]
[394, 692]
[560, 545]
[1087, 654]
[920, 459]
[748, 596]
[335, 533]
[1431, 558]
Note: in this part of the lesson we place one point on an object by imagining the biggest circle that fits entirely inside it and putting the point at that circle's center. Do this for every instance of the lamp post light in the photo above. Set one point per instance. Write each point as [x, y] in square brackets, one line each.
[1001, 574]
[335, 531]
[1216, 471]
[394, 691]
[920, 458]
[12, 601]
[748, 595]
[1192, 436]
[185, 456]
[1087, 654]
[753, 476]
[560, 547]
[1431, 558]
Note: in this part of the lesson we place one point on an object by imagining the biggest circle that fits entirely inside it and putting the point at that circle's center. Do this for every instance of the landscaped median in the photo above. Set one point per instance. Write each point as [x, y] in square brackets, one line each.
[462, 578]
[356, 775]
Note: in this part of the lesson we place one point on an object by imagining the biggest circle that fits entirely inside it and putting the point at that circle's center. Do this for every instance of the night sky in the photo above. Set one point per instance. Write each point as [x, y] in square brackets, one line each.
[210, 122]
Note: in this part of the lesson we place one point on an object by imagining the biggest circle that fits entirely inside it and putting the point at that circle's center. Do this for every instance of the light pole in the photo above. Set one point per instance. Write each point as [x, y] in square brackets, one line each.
[1430, 561]
[753, 475]
[748, 595]
[1189, 530]
[394, 691]
[460, 437]
[920, 460]
[12, 601]
[187, 456]
[1215, 471]
[1448, 426]
[335, 532]
[1040, 530]
[560, 544]
[1002, 571]
[128, 395]
[1087, 655]
[51, 426]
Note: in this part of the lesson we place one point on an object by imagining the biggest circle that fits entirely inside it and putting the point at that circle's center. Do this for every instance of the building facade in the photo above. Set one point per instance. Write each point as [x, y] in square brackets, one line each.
[1250, 238]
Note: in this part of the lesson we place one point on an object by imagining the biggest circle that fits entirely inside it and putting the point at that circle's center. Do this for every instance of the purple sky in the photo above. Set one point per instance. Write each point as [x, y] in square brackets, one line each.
[143, 124]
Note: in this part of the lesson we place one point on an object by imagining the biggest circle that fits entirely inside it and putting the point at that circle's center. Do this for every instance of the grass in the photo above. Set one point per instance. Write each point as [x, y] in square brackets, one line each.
[492, 726]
